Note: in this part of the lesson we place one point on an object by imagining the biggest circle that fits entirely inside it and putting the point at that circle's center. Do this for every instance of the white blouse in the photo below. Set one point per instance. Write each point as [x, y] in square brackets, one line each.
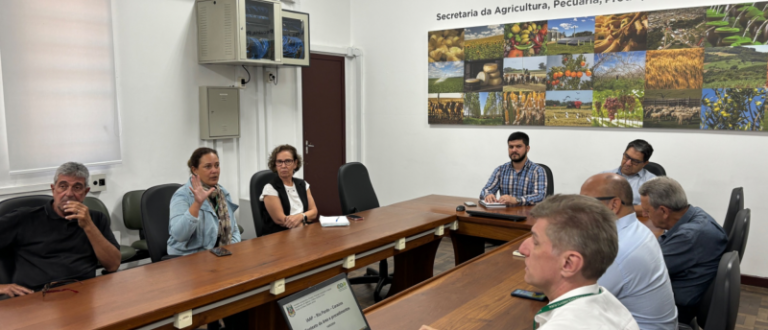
[293, 197]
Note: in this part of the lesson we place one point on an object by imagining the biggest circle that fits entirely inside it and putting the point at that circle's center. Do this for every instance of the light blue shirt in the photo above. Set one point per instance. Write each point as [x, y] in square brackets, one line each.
[638, 276]
[190, 234]
[635, 181]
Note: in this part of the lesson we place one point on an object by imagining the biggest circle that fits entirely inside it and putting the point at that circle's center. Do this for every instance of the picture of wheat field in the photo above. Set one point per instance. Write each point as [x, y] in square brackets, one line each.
[674, 68]
[484, 42]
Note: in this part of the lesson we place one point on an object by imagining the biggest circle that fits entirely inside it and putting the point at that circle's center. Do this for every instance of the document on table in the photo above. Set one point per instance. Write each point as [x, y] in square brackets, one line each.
[334, 221]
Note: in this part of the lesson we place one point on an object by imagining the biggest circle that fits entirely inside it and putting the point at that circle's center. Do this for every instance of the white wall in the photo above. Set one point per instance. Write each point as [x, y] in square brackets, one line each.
[157, 86]
[408, 158]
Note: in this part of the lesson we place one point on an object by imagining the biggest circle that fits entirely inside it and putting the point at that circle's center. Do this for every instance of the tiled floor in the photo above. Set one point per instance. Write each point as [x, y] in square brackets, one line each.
[753, 308]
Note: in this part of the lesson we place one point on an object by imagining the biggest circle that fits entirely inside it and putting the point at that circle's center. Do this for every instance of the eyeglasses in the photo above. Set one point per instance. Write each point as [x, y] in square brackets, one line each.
[50, 287]
[608, 198]
[76, 188]
[287, 162]
[632, 160]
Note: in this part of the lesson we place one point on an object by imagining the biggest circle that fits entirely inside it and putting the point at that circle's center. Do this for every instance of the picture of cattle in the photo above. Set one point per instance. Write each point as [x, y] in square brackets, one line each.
[525, 74]
[445, 108]
[569, 108]
[672, 108]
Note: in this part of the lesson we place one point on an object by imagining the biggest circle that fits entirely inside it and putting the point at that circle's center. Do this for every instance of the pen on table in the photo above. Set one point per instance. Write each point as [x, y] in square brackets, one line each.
[337, 219]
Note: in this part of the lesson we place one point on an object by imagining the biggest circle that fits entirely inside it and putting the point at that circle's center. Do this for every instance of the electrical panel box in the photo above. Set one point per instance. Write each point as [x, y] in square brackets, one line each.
[219, 113]
[295, 38]
[247, 32]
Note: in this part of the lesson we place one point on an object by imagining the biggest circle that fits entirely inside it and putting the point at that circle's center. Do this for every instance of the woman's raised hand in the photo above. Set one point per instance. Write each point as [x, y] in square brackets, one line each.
[201, 194]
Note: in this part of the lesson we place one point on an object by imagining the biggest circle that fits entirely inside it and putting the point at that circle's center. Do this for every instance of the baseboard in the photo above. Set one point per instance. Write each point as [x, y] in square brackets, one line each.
[754, 281]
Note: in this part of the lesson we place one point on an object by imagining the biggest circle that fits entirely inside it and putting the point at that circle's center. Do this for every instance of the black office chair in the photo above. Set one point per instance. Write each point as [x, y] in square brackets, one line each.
[155, 216]
[258, 181]
[720, 304]
[356, 194]
[132, 220]
[737, 240]
[656, 169]
[93, 203]
[735, 205]
[550, 180]
[7, 263]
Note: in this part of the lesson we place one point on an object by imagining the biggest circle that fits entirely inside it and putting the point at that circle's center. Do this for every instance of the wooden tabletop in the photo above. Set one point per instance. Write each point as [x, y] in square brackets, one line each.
[474, 295]
[142, 295]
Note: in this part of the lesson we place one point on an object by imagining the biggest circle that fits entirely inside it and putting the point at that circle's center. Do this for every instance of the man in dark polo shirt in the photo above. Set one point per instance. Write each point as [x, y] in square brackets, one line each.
[692, 243]
[58, 241]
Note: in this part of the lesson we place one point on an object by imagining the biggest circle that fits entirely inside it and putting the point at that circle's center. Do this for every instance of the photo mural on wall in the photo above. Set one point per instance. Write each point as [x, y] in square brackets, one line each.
[687, 68]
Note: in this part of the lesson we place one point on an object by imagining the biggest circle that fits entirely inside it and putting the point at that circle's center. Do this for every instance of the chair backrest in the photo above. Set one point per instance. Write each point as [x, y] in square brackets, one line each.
[355, 189]
[737, 240]
[720, 304]
[550, 180]
[656, 169]
[735, 205]
[258, 181]
[155, 216]
[7, 263]
[132, 210]
[96, 204]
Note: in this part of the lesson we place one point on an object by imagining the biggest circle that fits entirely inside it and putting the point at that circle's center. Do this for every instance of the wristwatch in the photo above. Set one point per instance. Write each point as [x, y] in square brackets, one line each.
[304, 220]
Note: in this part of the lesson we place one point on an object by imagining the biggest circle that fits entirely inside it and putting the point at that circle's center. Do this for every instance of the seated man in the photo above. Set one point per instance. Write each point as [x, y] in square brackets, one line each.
[521, 181]
[573, 242]
[632, 167]
[61, 240]
[692, 243]
[638, 277]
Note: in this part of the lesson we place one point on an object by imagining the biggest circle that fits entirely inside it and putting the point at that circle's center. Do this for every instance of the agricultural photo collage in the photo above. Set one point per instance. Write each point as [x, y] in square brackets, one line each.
[688, 68]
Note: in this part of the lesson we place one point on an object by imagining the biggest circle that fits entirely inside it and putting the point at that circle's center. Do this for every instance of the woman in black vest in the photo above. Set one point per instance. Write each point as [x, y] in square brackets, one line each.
[287, 200]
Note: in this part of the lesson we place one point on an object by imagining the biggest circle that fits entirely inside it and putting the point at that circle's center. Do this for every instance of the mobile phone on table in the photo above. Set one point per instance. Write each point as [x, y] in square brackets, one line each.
[538, 296]
[220, 251]
[353, 217]
[471, 204]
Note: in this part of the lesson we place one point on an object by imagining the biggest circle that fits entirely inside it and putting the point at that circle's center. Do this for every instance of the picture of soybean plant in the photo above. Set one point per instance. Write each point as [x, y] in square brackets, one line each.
[741, 109]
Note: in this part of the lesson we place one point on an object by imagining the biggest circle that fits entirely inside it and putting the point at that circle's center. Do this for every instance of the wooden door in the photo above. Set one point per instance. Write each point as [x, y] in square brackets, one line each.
[324, 129]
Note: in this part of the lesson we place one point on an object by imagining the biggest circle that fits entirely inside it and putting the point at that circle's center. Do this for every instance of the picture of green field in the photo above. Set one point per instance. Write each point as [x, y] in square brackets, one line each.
[575, 35]
[735, 67]
[484, 42]
[446, 85]
[568, 108]
[560, 49]
[446, 77]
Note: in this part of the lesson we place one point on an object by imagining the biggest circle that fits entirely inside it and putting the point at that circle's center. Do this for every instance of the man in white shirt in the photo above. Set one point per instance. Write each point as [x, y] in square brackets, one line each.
[573, 242]
[638, 277]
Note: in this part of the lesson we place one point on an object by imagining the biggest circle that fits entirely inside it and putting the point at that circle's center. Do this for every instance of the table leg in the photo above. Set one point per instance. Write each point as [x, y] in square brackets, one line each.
[466, 247]
[414, 266]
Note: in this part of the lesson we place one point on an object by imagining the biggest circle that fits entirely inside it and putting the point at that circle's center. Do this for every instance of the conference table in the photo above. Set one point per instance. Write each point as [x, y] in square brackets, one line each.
[263, 270]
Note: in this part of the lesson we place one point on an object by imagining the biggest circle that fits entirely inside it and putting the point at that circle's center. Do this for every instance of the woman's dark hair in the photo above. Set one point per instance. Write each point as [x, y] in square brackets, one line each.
[194, 161]
[286, 147]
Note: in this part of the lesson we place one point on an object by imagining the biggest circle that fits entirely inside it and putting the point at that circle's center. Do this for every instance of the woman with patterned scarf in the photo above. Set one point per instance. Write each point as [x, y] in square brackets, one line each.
[202, 212]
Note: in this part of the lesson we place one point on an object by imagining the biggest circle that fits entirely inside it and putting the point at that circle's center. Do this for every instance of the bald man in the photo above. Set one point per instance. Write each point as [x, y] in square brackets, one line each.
[638, 277]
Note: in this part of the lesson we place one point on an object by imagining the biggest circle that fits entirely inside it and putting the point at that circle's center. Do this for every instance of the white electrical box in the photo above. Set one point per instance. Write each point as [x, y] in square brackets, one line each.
[219, 113]
[247, 32]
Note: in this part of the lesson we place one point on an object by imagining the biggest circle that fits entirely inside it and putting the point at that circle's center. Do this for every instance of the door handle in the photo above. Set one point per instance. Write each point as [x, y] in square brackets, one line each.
[307, 146]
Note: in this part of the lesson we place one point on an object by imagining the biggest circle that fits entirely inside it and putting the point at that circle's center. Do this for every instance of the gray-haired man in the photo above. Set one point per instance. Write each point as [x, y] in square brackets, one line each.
[61, 240]
[692, 243]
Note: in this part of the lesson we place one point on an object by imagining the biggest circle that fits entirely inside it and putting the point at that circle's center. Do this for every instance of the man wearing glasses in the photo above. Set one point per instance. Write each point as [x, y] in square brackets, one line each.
[61, 240]
[638, 276]
[635, 157]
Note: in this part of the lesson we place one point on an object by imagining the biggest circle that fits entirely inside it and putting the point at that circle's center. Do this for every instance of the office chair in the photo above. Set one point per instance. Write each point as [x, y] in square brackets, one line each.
[7, 262]
[155, 216]
[356, 194]
[720, 304]
[550, 180]
[258, 181]
[737, 240]
[656, 169]
[132, 220]
[93, 203]
[735, 204]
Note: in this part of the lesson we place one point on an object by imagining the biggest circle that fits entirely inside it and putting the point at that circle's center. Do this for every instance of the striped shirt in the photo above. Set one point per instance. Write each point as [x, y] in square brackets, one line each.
[529, 186]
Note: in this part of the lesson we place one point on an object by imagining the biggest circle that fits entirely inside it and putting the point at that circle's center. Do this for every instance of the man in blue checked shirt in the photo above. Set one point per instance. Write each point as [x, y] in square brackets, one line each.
[522, 182]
